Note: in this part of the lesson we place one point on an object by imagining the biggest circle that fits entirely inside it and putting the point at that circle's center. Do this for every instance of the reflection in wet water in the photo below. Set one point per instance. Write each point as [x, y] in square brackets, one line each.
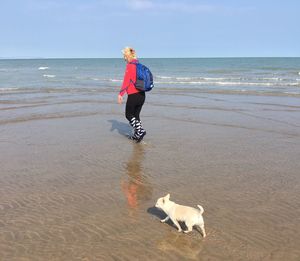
[179, 244]
[135, 184]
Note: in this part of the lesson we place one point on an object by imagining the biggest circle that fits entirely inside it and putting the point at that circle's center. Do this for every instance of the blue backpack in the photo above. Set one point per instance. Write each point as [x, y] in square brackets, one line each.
[144, 78]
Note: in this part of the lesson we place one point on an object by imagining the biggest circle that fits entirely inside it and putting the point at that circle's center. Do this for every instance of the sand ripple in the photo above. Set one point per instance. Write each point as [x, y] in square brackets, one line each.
[73, 188]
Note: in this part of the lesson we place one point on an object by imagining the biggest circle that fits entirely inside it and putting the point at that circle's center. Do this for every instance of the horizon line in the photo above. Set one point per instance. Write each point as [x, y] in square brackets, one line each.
[188, 57]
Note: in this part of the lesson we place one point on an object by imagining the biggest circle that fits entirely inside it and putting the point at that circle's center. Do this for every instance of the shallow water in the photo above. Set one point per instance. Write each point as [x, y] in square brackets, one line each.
[74, 188]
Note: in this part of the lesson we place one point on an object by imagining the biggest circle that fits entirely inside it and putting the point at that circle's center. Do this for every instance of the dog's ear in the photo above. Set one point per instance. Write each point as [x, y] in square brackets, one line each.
[167, 197]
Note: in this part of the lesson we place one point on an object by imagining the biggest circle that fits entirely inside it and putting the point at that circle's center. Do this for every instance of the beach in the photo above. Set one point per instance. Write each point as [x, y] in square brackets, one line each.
[73, 187]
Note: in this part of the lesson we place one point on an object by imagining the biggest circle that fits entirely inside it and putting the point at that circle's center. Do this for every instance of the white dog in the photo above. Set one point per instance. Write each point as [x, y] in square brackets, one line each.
[191, 216]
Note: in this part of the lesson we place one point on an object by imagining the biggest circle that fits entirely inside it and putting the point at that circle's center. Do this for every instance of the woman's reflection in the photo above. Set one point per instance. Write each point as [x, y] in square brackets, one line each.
[135, 185]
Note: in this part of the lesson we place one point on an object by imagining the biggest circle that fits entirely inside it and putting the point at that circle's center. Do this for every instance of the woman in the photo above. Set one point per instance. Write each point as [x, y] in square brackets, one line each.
[136, 98]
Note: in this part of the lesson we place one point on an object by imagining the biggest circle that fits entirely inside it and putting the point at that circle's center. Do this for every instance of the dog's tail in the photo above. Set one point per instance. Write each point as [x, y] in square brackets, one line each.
[201, 209]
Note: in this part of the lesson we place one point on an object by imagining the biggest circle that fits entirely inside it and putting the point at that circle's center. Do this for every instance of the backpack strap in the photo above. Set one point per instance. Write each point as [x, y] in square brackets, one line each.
[130, 79]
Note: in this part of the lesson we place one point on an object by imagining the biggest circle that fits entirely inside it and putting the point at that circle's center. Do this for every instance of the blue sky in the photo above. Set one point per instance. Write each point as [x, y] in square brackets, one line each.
[165, 28]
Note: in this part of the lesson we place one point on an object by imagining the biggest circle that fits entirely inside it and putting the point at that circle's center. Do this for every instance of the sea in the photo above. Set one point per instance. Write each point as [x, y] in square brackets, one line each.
[278, 76]
[35, 89]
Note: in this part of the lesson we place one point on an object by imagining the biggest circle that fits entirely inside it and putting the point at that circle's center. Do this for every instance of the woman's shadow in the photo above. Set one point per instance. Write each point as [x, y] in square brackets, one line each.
[123, 128]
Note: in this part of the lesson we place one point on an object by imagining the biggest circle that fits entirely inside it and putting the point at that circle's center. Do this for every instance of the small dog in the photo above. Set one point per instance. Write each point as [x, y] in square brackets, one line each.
[190, 216]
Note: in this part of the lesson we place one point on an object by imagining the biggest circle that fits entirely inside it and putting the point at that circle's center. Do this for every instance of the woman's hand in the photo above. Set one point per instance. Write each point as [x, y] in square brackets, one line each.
[120, 99]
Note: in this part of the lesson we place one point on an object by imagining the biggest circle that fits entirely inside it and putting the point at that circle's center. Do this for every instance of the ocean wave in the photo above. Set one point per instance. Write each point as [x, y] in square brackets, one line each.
[198, 78]
[270, 79]
[115, 80]
[221, 78]
[207, 78]
[49, 75]
[294, 84]
[293, 93]
[183, 78]
[8, 89]
[106, 79]
[231, 83]
[43, 68]
[189, 79]
[88, 78]
[9, 69]
[163, 77]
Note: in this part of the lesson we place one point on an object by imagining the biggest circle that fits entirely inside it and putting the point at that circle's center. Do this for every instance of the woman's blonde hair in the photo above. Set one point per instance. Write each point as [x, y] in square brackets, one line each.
[129, 53]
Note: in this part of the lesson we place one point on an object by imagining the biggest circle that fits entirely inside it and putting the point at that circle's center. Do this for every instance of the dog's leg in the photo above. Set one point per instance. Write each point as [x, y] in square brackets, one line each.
[189, 228]
[164, 220]
[203, 230]
[177, 224]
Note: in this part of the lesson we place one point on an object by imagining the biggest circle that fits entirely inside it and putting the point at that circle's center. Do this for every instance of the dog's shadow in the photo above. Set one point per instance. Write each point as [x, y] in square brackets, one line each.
[161, 215]
[122, 128]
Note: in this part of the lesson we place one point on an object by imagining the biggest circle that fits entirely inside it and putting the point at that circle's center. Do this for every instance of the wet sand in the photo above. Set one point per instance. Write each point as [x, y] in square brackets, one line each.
[74, 188]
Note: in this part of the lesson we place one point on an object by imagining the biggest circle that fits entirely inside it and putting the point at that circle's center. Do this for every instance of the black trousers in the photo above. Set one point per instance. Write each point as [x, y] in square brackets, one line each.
[134, 105]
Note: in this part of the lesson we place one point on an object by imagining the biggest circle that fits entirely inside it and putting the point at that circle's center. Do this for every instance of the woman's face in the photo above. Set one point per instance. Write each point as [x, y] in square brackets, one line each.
[127, 57]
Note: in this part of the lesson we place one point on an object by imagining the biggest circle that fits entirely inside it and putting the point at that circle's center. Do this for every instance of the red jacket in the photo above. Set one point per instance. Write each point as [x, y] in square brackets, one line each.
[129, 79]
